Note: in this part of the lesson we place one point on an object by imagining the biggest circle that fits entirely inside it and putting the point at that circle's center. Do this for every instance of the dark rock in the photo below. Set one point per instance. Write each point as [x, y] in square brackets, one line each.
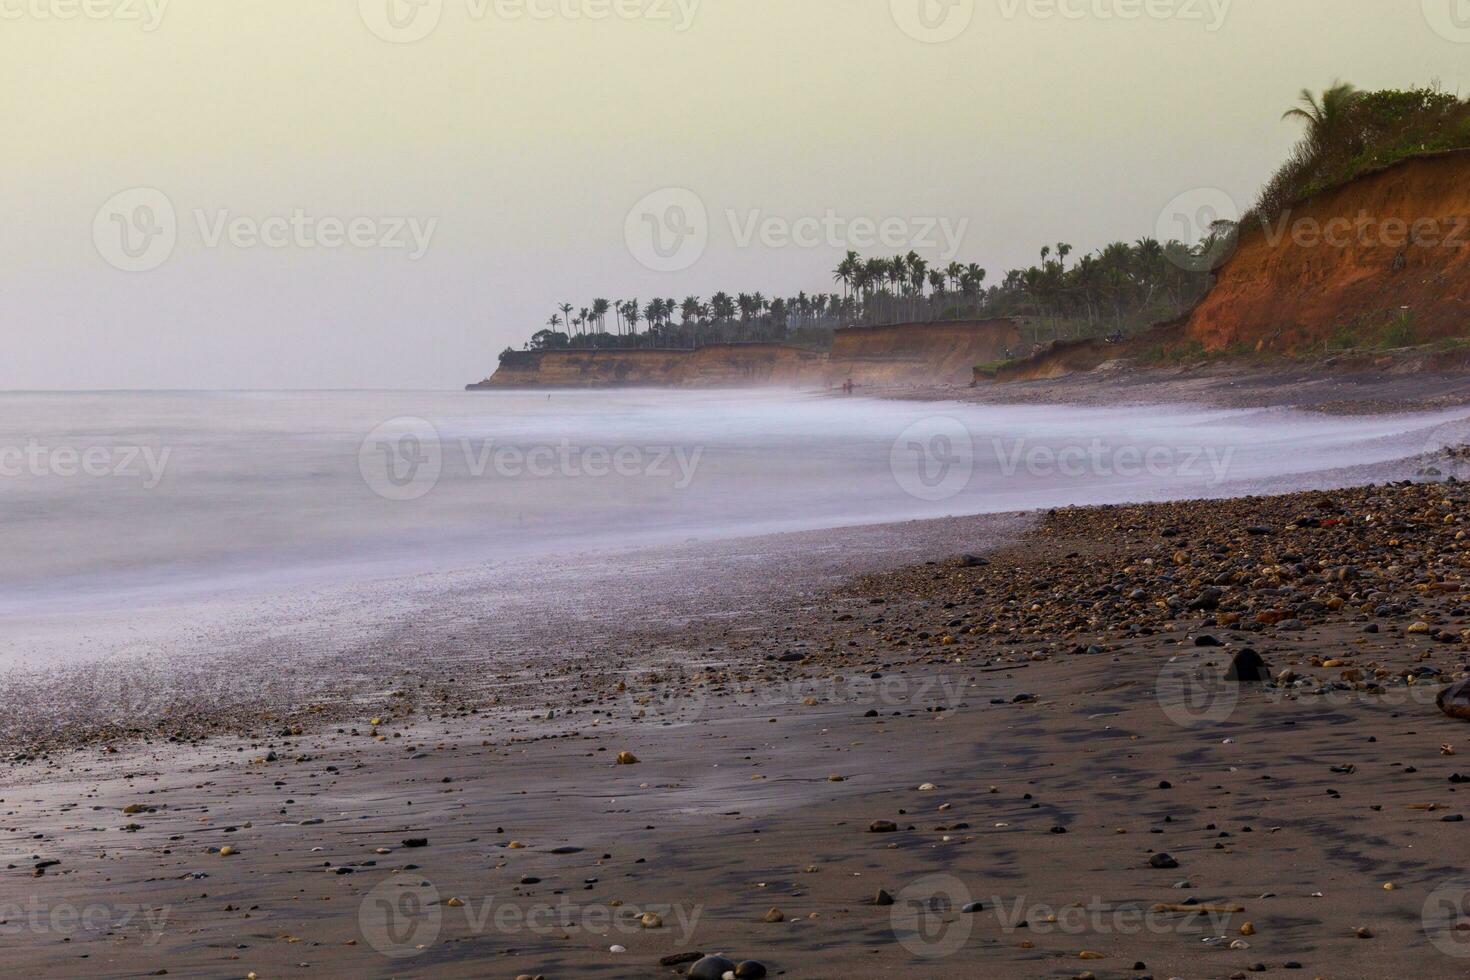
[882, 898]
[416, 842]
[1248, 668]
[1206, 640]
[1455, 701]
[1207, 600]
[678, 959]
[750, 970]
[973, 561]
[882, 827]
[1162, 861]
[711, 968]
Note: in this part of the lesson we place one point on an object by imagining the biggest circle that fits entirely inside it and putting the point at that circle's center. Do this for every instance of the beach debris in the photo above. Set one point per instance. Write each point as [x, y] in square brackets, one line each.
[627, 759]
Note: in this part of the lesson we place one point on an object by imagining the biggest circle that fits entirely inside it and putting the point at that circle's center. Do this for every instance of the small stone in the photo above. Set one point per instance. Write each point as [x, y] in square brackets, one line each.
[775, 915]
[711, 968]
[750, 970]
[882, 827]
[882, 898]
[627, 759]
[1163, 861]
[651, 920]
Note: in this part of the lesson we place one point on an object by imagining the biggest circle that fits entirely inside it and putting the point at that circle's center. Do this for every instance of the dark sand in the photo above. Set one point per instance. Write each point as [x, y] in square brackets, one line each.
[1290, 807]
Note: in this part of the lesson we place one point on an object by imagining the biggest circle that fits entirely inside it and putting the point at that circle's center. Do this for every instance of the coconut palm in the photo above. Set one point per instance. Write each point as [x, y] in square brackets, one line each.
[1326, 116]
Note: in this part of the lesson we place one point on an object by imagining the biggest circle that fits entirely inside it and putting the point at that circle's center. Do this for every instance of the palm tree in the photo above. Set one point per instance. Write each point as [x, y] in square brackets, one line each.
[974, 278]
[1063, 250]
[630, 314]
[1326, 117]
[847, 270]
[566, 313]
[599, 313]
[554, 322]
[956, 274]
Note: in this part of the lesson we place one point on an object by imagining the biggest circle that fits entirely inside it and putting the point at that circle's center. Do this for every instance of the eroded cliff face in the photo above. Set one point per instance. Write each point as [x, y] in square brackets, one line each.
[1388, 253]
[920, 353]
[717, 365]
[916, 353]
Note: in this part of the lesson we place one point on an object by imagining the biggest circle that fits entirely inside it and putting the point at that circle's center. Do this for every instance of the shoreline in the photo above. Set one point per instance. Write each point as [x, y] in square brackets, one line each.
[1025, 686]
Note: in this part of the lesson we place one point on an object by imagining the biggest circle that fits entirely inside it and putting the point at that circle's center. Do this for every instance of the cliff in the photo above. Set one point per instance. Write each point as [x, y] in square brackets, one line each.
[716, 365]
[920, 353]
[914, 353]
[1385, 257]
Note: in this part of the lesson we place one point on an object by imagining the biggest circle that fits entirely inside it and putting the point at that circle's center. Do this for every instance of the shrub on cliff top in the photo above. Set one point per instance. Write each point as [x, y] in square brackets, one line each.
[1352, 133]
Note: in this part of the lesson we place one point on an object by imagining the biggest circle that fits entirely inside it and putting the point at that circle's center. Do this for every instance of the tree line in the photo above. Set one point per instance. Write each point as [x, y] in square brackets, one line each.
[1110, 290]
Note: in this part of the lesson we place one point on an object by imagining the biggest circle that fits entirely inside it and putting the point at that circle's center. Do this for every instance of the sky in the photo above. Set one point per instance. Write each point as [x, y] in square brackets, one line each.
[387, 193]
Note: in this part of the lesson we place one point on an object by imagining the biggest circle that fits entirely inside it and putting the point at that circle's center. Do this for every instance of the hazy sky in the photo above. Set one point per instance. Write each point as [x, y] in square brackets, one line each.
[265, 165]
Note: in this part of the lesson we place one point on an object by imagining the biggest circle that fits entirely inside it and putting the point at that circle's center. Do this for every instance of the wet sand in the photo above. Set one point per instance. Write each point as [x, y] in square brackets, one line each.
[1053, 697]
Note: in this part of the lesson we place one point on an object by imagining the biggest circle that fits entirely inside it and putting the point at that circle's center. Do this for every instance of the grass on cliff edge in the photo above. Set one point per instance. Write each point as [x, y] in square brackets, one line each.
[1363, 132]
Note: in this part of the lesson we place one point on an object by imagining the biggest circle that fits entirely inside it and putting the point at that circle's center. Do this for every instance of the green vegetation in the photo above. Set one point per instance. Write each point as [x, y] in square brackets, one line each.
[1351, 133]
[1120, 288]
[993, 368]
[1399, 330]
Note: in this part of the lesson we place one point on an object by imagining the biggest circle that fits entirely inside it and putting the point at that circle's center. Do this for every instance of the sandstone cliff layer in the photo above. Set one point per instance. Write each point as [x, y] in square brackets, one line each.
[915, 353]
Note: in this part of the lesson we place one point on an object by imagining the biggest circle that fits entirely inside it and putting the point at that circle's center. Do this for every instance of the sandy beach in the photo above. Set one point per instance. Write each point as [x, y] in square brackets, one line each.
[826, 783]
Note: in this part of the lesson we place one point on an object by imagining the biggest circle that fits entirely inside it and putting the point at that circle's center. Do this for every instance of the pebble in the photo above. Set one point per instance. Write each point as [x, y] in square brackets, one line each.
[711, 968]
